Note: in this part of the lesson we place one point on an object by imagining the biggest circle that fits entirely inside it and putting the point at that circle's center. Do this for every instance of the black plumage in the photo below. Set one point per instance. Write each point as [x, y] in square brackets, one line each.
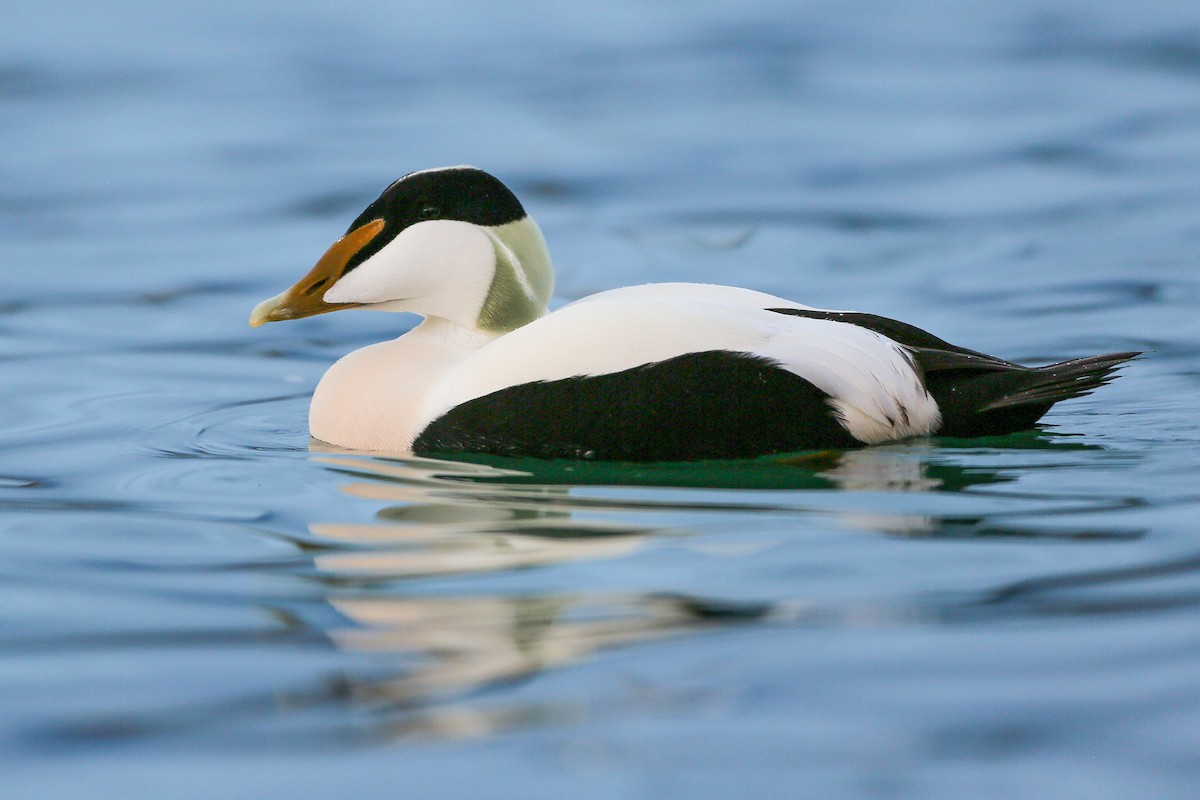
[712, 404]
[978, 394]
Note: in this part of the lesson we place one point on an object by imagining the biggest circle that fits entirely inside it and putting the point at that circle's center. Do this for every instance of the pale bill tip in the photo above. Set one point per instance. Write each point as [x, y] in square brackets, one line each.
[261, 314]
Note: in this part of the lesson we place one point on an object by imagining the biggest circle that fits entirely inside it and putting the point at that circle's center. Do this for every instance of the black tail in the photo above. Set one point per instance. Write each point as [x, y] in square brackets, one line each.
[985, 397]
[1063, 381]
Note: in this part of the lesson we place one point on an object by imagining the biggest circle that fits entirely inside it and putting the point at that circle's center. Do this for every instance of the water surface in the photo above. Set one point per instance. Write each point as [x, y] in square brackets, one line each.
[198, 603]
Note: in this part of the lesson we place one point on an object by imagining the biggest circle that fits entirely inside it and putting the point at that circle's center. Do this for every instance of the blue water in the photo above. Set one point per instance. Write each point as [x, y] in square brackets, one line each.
[196, 603]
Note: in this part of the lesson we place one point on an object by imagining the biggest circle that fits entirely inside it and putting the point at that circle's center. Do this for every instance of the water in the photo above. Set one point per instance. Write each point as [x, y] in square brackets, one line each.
[197, 604]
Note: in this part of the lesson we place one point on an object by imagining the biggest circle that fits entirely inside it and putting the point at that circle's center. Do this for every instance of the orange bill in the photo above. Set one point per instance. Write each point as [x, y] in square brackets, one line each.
[304, 299]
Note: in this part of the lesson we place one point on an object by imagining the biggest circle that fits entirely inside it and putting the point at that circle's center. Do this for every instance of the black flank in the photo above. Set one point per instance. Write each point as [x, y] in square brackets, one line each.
[709, 405]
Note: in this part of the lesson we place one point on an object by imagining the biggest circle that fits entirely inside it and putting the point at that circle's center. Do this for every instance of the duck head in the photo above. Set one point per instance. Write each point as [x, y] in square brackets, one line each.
[451, 242]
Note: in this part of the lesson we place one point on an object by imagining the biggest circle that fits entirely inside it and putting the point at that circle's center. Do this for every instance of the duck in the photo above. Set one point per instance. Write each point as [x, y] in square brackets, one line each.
[655, 372]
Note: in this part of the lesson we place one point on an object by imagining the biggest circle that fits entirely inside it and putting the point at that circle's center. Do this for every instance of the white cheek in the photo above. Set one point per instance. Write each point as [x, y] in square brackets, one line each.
[414, 264]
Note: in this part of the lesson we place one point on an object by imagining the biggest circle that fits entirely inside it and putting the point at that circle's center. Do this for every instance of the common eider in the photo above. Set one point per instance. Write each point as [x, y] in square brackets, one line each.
[660, 372]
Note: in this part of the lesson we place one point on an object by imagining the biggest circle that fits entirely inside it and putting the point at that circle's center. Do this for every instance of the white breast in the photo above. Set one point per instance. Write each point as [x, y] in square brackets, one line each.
[379, 397]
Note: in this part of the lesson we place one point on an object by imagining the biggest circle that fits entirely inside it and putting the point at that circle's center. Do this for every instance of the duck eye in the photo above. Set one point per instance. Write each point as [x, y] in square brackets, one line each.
[429, 212]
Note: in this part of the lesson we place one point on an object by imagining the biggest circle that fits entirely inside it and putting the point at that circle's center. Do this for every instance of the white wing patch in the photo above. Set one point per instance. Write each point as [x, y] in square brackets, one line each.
[875, 390]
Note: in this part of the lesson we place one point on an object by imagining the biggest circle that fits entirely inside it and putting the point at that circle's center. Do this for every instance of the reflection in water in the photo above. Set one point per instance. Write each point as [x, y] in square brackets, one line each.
[448, 522]
[467, 643]
[456, 518]
[425, 592]
[446, 527]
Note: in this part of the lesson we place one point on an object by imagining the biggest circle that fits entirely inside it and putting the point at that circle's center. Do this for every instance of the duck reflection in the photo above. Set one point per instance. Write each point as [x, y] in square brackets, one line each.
[400, 590]
[475, 576]
[471, 642]
[462, 517]
[446, 519]
[447, 526]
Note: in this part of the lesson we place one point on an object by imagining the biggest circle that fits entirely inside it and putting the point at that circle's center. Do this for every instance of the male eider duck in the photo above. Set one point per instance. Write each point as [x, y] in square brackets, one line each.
[662, 372]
